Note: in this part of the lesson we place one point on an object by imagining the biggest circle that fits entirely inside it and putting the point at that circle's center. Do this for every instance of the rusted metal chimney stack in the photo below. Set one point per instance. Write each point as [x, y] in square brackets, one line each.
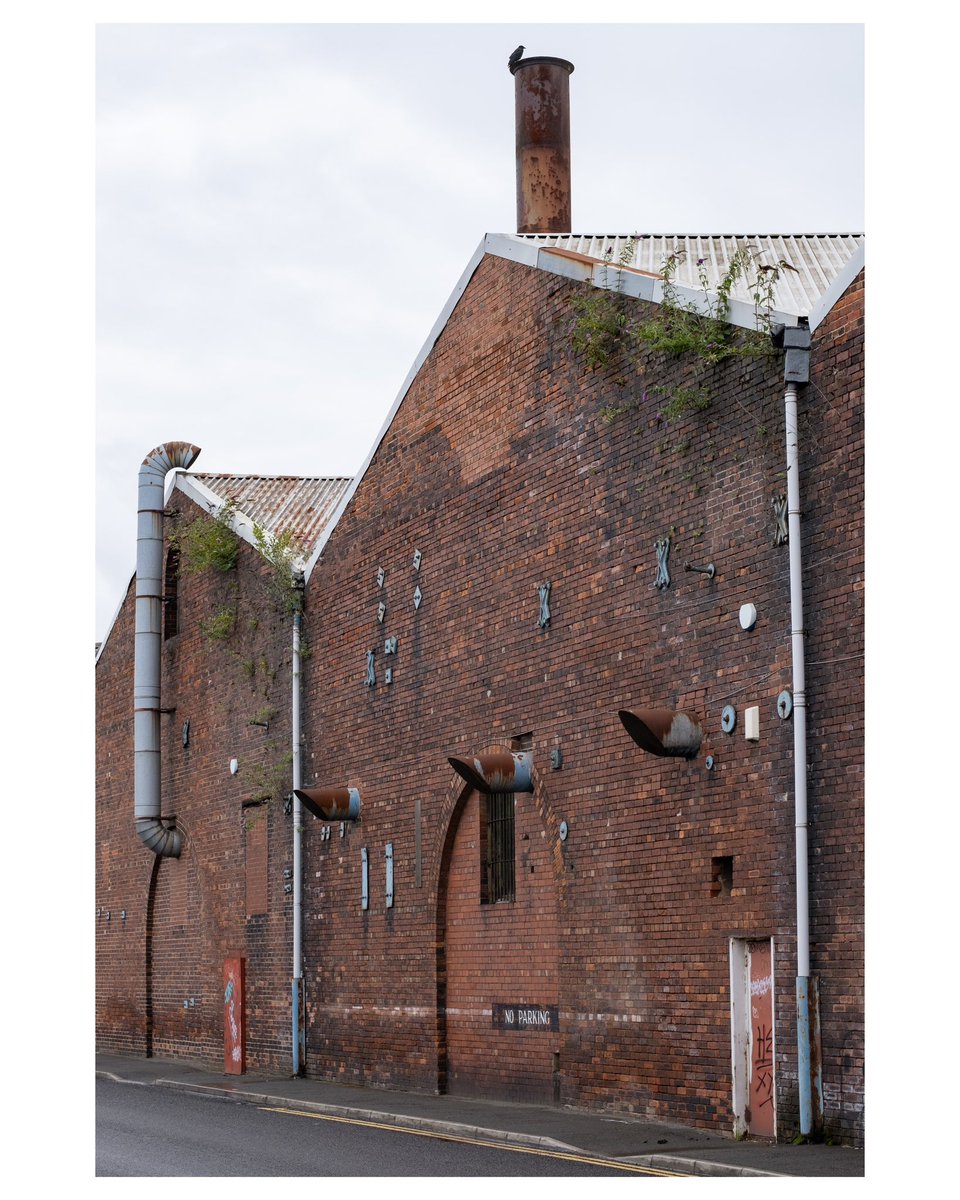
[543, 144]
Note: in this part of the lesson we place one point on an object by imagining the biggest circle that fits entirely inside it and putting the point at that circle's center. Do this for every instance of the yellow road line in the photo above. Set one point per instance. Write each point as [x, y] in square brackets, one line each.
[449, 1137]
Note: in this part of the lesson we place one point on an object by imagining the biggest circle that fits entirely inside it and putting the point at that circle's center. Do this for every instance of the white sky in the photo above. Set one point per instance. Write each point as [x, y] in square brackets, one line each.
[282, 210]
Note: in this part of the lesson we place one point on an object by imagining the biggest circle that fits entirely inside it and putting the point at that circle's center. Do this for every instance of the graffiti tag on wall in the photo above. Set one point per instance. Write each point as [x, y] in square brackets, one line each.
[233, 1043]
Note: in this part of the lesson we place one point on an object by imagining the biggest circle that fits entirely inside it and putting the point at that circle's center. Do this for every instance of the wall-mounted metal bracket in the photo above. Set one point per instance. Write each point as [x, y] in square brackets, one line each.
[417, 597]
[709, 570]
[782, 534]
[381, 611]
[544, 591]
[662, 547]
[380, 576]
[390, 646]
[371, 678]
[417, 559]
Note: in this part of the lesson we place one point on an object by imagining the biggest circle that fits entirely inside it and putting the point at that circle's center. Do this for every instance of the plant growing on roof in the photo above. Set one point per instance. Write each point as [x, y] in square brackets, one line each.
[208, 542]
[601, 321]
[282, 551]
[609, 335]
[681, 327]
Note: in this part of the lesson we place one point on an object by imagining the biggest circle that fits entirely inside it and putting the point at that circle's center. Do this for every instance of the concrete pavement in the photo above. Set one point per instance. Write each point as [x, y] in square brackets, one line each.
[622, 1137]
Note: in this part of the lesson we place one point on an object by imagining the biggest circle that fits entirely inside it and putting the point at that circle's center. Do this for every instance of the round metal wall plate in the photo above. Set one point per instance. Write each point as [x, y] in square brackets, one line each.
[784, 705]
[563, 831]
[728, 719]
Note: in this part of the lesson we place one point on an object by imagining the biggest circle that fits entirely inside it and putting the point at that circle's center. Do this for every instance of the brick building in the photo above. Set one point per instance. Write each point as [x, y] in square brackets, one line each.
[165, 924]
[553, 658]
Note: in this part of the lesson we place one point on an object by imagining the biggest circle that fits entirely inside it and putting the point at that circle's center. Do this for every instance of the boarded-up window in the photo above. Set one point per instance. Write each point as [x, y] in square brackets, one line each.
[171, 600]
[255, 827]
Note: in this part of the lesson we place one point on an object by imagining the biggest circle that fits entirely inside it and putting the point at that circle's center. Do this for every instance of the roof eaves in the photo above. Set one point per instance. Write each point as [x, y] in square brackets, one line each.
[581, 259]
[842, 280]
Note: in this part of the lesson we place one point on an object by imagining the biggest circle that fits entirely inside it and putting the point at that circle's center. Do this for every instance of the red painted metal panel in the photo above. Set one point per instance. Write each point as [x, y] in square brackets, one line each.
[234, 1039]
[762, 1113]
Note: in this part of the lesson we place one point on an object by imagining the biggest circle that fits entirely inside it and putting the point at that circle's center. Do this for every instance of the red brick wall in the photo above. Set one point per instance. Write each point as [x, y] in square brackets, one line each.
[502, 471]
[505, 951]
[832, 472]
[159, 973]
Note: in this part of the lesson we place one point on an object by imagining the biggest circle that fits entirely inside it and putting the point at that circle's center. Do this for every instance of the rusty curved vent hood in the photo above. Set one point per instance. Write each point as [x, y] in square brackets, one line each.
[330, 803]
[663, 731]
[499, 771]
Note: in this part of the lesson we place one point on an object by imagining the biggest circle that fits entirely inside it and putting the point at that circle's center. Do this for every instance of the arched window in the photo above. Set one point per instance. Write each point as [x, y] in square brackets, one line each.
[171, 580]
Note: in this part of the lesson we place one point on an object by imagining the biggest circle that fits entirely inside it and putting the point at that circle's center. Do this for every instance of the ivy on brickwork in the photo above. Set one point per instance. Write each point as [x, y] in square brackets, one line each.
[210, 543]
[624, 338]
[267, 781]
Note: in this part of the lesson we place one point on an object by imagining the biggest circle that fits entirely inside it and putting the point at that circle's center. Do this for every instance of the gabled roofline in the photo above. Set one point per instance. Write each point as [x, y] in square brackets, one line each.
[844, 277]
[438, 327]
[113, 619]
[242, 525]
[643, 285]
[204, 497]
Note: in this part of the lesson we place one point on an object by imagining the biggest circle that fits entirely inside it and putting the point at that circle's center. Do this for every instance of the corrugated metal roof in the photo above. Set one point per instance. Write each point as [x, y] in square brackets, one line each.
[279, 502]
[817, 259]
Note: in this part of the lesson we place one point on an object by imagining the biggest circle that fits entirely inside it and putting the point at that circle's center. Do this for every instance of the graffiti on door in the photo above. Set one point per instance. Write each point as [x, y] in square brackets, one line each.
[761, 1111]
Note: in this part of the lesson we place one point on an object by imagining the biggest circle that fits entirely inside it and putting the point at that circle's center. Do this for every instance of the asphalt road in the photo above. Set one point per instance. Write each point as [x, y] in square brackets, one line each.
[153, 1131]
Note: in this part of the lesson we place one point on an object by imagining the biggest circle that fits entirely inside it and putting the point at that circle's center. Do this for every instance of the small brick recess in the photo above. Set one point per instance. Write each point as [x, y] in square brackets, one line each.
[501, 472]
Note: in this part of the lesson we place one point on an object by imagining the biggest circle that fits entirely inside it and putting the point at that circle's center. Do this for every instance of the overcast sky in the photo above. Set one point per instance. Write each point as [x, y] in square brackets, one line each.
[283, 210]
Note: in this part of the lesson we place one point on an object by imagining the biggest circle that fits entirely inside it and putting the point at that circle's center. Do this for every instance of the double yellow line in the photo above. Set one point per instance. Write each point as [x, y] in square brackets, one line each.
[606, 1163]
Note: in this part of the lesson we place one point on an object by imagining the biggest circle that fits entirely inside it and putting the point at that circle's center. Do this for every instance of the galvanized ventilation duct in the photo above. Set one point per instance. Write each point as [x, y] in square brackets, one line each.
[147, 637]
[663, 732]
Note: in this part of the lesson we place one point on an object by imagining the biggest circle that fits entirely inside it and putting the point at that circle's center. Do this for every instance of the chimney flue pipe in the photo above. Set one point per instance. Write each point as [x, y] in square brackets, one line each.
[542, 88]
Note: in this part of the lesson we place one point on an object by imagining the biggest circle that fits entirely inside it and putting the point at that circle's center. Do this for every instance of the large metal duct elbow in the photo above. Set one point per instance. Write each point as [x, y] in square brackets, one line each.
[147, 638]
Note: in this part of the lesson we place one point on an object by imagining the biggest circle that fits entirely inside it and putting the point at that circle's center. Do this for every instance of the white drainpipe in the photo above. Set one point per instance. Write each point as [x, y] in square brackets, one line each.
[297, 983]
[799, 757]
[796, 342]
[147, 637]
